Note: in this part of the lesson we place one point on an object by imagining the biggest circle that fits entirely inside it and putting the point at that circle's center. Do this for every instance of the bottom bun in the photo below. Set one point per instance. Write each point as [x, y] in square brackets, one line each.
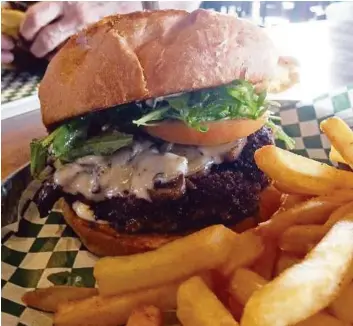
[102, 240]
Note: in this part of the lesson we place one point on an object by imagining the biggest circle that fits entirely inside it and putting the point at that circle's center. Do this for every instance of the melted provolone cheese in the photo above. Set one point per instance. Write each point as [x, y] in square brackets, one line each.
[135, 170]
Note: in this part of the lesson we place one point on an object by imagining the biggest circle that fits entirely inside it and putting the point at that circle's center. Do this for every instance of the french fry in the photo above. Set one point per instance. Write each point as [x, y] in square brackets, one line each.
[265, 264]
[340, 196]
[334, 156]
[235, 308]
[299, 239]
[313, 211]
[198, 306]
[245, 251]
[322, 319]
[338, 215]
[244, 225]
[145, 316]
[303, 174]
[244, 283]
[270, 200]
[114, 310]
[340, 136]
[308, 287]
[342, 307]
[285, 261]
[182, 258]
[219, 284]
[289, 189]
[290, 200]
[49, 299]
[11, 21]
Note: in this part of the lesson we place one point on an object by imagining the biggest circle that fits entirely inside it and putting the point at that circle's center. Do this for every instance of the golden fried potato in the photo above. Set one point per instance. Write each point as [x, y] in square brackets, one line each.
[198, 306]
[289, 189]
[182, 258]
[270, 200]
[244, 225]
[235, 308]
[340, 196]
[49, 299]
[290, 200]
[245, 251]
[313, 211]
[341, 137]
[285, 261]
[322, 319]
[336, 157]
[308, 287]
[114, 310]
[244, 283]
[299, 239]
[342, 307]
[218, 283]
[146, 316]
[11, 21]
[265, 264]
[306, 176]
[338, 215]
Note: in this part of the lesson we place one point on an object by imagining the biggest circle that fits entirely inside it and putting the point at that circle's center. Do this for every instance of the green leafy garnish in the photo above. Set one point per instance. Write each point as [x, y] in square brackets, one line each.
[233, 101]
[280, 134]
[79, 278]
[70, 141]
[39, 155]
[100, 145]
[68, 136]
[66, 278]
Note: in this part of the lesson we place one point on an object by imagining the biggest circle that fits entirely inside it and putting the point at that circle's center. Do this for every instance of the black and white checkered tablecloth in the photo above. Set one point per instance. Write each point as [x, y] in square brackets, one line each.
[16, 84]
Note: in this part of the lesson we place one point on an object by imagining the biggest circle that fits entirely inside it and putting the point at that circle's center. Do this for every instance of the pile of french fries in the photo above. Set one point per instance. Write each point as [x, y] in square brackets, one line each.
[294, 268]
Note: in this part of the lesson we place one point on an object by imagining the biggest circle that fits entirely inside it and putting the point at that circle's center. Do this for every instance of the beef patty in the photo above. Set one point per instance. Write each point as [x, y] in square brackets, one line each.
[226, 194]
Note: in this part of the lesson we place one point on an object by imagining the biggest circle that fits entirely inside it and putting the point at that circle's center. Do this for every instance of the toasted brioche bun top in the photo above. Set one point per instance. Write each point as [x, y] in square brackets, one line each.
[142, 55]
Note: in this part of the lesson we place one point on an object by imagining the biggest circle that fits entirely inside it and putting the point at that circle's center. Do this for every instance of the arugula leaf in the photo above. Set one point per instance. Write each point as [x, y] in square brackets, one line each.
[68, 136]
[148, 119]
[99, 145]
[279, 133]
[236, 100]
[68, 142]
[39, 155]
[66, 278]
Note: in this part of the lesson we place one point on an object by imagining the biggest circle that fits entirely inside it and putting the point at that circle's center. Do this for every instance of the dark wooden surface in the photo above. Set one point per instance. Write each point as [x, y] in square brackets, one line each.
[16, 134]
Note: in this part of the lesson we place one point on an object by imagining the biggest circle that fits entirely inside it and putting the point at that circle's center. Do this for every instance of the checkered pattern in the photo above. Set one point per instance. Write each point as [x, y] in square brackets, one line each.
[302, 122]
[45, 246]
[16, 85]
[41, 247]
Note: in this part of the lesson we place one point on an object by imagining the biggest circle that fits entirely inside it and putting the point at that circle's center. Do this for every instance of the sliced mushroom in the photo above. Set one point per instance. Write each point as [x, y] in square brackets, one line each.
[168, 191]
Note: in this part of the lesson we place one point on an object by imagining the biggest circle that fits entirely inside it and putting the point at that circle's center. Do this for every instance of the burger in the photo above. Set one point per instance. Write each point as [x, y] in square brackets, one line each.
[153, 121]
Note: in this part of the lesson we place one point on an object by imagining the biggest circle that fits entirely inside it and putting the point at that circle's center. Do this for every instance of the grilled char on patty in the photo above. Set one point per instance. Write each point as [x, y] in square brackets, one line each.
[227, 194]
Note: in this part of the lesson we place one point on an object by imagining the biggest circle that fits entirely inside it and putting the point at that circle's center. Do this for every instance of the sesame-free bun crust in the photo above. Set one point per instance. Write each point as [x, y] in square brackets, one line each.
[142, 55]
[102, 240]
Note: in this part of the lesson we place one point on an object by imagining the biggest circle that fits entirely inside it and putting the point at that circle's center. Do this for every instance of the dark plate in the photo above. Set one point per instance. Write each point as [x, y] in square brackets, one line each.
[11, 191]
